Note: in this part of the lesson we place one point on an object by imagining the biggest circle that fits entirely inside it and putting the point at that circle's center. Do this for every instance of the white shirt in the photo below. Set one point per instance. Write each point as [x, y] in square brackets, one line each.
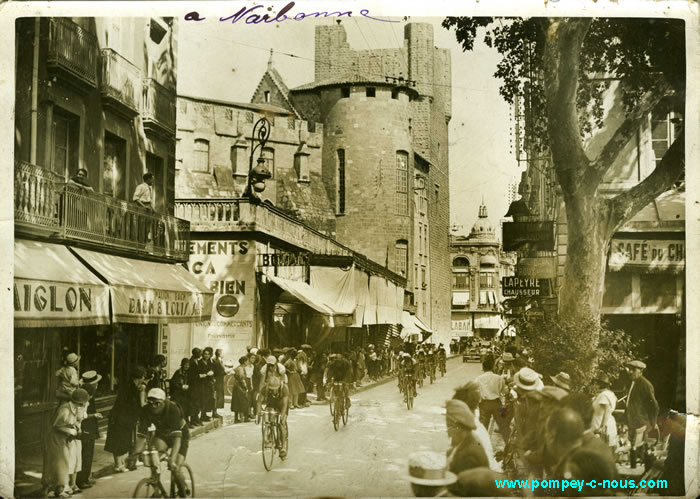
[144, 193]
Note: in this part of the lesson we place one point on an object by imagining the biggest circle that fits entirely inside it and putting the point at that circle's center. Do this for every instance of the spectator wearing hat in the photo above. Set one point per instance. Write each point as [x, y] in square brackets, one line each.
[562, 380]
[296, 387]
[180, 388]
[527, 385]
[428, 474]
[60, 452]
[465, 451]
[563, 432]
[641, 409]
[89, 429]
[131, 396]
[240, 393]
[603, 422]
[470, 394]
[194, 384]
[219, 375]
[68, 379]
[303, 365]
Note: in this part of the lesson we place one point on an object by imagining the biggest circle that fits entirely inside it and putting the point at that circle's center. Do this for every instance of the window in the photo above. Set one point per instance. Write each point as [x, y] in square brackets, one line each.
[486, 280]
[267, 96]
[371, 92]
[114, 167]
[201, 156]
[154, 165]
[345, 92]
[268, 155]
[402, 257]
[291, 124]
[401, 183]
[65, 131]
[249, 116]
[228, 114]
[663, 132]
[340, 183]
[461, 280]
[424, 280]
[32, 376]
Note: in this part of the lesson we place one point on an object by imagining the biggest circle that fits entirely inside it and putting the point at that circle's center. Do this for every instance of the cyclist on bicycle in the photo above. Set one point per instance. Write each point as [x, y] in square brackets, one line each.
[271, 369]
[275, 395]
[339, 370]
[408, 369]
[420, 358]
[430, 361]
[442, 357]
[171, 432]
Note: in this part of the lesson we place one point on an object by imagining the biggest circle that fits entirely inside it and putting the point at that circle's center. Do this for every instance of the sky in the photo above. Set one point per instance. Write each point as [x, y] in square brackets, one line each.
[481, 160]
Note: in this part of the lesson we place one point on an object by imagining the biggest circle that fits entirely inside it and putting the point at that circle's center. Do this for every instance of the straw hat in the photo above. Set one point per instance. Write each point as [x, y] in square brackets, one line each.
[562, 380]
[429, 468]
[90, 377]
[528, 380]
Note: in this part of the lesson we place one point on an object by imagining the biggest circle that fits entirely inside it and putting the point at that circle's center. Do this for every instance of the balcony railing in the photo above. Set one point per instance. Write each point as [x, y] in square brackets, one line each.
[73, 52]
[36, 199]
[121, 84]
[158, 108]
[239, 215]
[43, 200]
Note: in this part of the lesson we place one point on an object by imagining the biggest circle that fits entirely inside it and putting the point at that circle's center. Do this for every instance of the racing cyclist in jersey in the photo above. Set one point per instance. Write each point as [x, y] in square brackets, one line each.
[442, 357]
[408, 370]
[430, 361]
[339, 370]
[165, 419]
[275, 395]
[420, 359]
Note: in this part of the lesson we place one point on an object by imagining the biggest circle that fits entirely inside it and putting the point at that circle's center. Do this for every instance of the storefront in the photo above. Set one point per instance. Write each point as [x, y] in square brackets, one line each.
[62, 302]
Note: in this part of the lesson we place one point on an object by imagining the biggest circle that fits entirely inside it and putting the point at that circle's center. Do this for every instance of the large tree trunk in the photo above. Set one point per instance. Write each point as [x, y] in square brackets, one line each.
[584, 272]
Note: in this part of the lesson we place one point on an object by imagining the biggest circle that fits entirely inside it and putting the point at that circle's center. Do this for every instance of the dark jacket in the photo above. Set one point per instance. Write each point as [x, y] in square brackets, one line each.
[177, 393]
[642, 407]
[469, 454]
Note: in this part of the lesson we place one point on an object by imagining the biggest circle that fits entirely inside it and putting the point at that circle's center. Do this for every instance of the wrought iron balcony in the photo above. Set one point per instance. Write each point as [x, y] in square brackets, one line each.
[239, 215]
[72, 54]
[45, 204]
[120, 85]
[159, 110]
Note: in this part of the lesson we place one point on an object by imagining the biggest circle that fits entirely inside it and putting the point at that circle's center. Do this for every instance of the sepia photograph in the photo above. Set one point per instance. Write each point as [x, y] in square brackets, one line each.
[325, 250]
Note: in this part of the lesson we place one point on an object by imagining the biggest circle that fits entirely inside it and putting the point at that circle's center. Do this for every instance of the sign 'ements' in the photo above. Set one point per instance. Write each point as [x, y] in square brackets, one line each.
[647, 255]
[525, 286]
[228, 269]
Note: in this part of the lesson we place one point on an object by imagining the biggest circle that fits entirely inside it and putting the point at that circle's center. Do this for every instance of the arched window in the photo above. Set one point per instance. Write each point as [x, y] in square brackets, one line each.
[461, 279]
[201, 156]
[460, 261]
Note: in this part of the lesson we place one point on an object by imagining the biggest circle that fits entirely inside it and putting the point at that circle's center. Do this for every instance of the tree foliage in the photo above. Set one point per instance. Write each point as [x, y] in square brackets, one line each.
[565, 345]
[638, 52]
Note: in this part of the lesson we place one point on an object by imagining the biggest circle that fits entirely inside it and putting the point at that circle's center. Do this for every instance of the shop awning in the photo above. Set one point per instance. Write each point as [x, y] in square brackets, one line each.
[421, 326]
[488, 321]
[53, 288]
[489, 260]
[150, 293]
[409, 325]
[309, 296]
[460, 298]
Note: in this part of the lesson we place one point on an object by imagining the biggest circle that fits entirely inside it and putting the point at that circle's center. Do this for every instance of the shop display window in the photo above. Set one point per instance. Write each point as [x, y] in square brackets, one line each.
[31, 367]
[96, 355]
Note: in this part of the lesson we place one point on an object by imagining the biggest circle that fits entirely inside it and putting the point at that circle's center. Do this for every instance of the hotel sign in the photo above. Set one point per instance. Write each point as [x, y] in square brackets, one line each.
[539, 235]
[647, 255]
[525, 286]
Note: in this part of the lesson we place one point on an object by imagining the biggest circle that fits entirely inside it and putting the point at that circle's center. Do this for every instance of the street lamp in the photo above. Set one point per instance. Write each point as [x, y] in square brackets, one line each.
[258, 175]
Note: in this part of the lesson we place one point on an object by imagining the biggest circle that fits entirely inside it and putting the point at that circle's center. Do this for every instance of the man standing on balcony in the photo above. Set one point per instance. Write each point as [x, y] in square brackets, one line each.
[143, 194]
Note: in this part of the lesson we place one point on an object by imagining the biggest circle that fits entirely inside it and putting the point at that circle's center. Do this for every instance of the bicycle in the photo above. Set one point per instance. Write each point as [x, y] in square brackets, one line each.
[153, 486]
[431, 371]
[409, 390]
[421, 374]
[443, 367]
[271, 437]
[338, 408]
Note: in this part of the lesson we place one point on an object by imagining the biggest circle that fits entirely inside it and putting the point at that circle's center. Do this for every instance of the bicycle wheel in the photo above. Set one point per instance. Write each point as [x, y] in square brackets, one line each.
[268, 445]
[346, 413]
[148, 488]
[189, 482]
[331, 402]
[336, 414]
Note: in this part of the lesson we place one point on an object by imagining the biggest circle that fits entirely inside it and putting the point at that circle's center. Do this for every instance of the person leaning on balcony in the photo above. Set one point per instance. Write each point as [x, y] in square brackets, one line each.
[143, 195]
[79, 180]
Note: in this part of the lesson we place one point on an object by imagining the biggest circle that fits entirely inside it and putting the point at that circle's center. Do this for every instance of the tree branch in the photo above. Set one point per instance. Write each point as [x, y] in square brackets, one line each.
[624, 133]
[626, 204]
[564, 39]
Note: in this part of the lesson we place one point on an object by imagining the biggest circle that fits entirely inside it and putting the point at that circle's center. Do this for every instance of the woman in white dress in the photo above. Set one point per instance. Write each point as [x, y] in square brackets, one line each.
[604, 402]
